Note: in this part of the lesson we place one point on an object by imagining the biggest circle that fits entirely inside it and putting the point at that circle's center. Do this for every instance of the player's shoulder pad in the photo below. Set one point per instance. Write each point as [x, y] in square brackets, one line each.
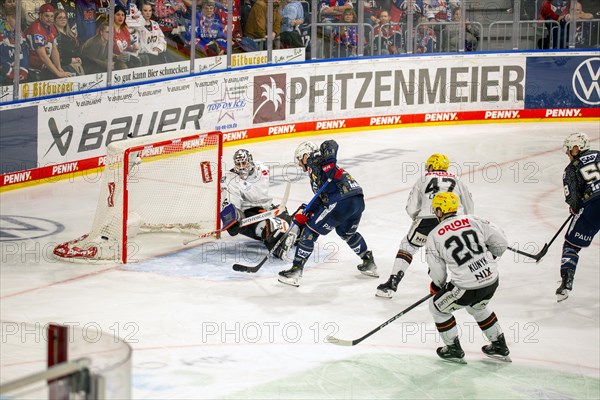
[588, 157]
[329, 149]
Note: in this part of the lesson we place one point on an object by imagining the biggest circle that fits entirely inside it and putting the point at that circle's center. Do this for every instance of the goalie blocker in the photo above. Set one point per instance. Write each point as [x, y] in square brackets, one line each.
[166, 183]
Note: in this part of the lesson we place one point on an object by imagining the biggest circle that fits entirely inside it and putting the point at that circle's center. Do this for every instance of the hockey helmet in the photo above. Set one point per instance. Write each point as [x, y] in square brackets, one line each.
[439, 162]
[305, 148]
[243, 163]
[579, 139]
[447, 202]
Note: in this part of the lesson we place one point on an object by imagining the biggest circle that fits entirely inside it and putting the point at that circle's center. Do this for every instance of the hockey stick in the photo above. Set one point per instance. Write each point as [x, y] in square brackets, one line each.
[245, 268]
[251, 220]
[341, 342]
[537, 257]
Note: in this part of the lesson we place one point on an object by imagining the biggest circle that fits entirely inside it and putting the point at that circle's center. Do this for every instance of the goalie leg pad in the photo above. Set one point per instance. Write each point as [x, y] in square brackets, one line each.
[290, 241]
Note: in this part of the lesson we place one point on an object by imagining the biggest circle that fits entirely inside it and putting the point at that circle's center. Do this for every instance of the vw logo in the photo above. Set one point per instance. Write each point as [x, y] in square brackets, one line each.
[586, 81]
[19, 227]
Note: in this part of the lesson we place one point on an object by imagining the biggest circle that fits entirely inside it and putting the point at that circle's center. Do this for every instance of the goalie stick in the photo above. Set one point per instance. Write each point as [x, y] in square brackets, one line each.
[341, 342]
[245, 268]
[537, 257]
[250, 220]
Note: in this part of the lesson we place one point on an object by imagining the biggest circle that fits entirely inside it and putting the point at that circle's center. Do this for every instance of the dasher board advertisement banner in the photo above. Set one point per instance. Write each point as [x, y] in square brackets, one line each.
[290, 99]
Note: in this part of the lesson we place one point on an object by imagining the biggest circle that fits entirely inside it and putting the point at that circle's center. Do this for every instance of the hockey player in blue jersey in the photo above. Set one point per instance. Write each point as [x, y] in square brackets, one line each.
[581, 181]
[339, 207]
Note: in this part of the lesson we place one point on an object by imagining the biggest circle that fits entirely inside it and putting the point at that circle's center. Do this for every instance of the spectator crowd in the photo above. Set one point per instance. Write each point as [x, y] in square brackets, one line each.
[64, 38]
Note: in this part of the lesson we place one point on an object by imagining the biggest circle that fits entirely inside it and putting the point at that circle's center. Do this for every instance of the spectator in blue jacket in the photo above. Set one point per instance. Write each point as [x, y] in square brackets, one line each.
[210, 37]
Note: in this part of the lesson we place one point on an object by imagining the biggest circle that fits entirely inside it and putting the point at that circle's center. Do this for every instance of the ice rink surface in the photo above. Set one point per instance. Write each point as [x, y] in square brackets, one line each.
[199, 330]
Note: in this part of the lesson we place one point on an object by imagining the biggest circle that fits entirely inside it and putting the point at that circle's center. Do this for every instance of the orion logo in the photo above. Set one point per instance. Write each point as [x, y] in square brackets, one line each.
[586, 85]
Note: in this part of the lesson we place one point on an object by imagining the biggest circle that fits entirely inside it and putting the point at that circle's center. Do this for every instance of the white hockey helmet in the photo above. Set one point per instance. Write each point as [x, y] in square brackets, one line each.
[578, 139]
[243, 163]
[304, 148]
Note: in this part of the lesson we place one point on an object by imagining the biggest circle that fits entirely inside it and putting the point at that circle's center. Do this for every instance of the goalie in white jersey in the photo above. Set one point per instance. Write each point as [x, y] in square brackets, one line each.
[437, 179]
[244, 193]
[461, 254]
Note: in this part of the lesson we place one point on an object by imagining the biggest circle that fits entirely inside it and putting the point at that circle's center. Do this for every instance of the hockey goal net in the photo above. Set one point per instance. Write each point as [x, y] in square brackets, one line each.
[161, 183]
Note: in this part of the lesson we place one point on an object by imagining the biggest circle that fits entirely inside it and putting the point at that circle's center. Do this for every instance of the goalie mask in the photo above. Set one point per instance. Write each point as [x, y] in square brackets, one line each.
[576, 139]
[439, 162]
[243, 163]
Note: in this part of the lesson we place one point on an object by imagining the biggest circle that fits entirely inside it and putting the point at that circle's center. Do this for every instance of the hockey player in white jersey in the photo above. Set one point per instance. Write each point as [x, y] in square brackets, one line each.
[461, 254]
[436, 179]
[244, 193]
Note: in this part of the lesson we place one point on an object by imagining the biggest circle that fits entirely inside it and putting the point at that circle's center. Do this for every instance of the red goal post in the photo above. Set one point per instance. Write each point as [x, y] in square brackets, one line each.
[161, 183]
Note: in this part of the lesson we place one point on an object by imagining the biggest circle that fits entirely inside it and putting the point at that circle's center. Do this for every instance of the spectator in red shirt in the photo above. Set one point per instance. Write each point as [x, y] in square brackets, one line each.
[42, 40]
[387, 34]
[122, 47]
[554, 10]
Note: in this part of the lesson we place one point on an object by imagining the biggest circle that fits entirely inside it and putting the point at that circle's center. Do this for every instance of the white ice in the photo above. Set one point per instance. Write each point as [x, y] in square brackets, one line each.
[200, 330]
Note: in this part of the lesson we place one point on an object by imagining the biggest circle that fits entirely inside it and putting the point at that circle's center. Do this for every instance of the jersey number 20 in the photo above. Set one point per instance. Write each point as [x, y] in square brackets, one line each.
[468, 239]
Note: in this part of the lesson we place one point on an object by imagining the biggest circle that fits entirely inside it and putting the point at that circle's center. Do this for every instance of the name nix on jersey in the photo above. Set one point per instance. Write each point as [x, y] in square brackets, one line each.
[477, 267]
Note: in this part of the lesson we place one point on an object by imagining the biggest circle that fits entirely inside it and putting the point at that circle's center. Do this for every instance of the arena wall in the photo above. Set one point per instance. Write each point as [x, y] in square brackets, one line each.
[64, 136]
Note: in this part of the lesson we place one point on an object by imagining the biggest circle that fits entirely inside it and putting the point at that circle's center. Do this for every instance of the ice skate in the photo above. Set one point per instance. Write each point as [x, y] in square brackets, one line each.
[389, 288]
[368, 266]
[562, 293]
[291, 276]
[452, 353]
[497, 349]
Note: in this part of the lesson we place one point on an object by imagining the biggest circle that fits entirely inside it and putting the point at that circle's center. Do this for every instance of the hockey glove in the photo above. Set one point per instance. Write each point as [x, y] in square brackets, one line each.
[234, 229]
[572, 211]
[301, 219]
[433, 288]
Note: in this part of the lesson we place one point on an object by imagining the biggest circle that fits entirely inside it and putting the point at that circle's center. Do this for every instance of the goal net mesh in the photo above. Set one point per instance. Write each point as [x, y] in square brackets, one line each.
[164, 183]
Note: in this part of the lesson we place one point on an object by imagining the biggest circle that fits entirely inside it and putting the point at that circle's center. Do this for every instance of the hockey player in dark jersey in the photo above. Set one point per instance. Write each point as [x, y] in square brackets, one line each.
[339, 207]
[581, 181]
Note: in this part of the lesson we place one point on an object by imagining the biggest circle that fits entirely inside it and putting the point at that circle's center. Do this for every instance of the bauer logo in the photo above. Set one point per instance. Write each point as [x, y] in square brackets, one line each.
[96, 135]
[586, 81]
[269, 98]
[61, 144]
